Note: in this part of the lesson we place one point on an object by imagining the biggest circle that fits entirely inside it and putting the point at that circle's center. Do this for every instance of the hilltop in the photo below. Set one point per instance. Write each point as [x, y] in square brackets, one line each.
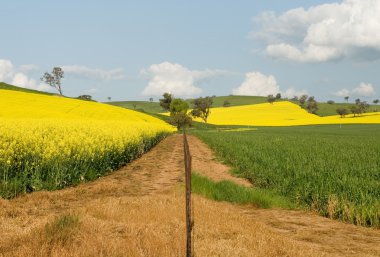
[6, 86]
[325, 109]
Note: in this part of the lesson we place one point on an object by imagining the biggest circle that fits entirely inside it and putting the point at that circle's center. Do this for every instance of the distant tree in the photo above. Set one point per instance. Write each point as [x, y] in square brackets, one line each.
[346, 98]
[151, 99]
[134, 106]
[85, 97]
[355, 110]
[312, 105]
[330, 102]
[359, 107]
[53, 79]
[342, 112]
[363, 106]
[376, 101]
[226, 103]
[278, 96]
[178, 114]
[271, 99]
[302, 99]
[166, 101]
[109, 98]
[201, 107]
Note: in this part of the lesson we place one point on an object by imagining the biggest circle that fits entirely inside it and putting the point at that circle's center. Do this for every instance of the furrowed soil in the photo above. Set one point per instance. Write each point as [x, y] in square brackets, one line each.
[139, 211]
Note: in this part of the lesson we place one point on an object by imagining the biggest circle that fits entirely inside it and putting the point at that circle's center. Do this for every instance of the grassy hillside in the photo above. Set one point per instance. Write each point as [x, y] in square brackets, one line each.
[325, 109]
[144, 106]
[14, 88]
[154, 107]
[236, 100]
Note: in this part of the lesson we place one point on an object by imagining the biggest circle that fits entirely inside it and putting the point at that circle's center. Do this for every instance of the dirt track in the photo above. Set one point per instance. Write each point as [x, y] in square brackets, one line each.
[138, 211]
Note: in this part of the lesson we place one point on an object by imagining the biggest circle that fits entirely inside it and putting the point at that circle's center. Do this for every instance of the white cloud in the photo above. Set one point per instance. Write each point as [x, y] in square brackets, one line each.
[342, 93]
[292, 92]
[90, 73]
[258, 84]
[322, 33]
[364, 89]
[6, 70]
[21, 80]
[176, 79]
[15, 76]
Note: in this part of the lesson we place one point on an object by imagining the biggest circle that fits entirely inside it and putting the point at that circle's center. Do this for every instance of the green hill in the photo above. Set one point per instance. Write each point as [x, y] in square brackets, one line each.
[154, 107]
[14, 88]
[325, 109]
[144, 106]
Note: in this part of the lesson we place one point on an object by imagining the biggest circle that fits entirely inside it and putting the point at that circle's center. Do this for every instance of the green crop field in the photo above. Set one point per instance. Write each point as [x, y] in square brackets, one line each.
[331, 169]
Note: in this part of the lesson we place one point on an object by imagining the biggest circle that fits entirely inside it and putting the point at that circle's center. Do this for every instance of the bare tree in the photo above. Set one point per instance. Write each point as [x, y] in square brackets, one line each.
[53, 79]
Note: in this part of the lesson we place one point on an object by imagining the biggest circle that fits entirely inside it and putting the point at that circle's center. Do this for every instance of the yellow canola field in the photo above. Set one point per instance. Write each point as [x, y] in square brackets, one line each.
[279, 114]
[51, 141]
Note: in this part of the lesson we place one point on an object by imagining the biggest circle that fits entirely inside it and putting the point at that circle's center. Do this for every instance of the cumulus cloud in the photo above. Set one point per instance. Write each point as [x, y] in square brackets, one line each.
[292, 92]
[258, 84]
[6, 70]
[17, 77]
[342, 93]
[364, 89]
[176, 79]
[322, 33]
[97, 74]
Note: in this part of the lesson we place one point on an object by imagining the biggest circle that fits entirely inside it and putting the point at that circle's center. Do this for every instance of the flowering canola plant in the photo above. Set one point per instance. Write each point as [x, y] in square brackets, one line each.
[280, 114]
[48, 142]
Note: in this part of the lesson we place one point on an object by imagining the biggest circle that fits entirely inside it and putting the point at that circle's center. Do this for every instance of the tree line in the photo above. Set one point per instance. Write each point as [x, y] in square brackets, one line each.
[179, 109]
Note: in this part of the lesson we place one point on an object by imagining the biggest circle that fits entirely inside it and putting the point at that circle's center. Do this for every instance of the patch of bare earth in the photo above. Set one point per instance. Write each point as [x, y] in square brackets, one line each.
[139, 211]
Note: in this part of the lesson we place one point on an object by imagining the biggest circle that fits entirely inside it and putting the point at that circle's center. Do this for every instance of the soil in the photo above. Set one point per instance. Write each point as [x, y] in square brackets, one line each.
[138, 211]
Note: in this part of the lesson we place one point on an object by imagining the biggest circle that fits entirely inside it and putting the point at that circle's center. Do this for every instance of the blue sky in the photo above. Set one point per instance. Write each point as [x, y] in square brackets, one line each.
[133, 50]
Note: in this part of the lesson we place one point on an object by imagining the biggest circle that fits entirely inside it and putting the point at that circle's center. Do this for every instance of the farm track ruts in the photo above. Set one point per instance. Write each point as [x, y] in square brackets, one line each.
[138, 211]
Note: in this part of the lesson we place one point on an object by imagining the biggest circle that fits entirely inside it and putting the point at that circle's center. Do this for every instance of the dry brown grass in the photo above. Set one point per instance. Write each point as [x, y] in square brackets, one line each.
[139, 211]
[151, 226]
